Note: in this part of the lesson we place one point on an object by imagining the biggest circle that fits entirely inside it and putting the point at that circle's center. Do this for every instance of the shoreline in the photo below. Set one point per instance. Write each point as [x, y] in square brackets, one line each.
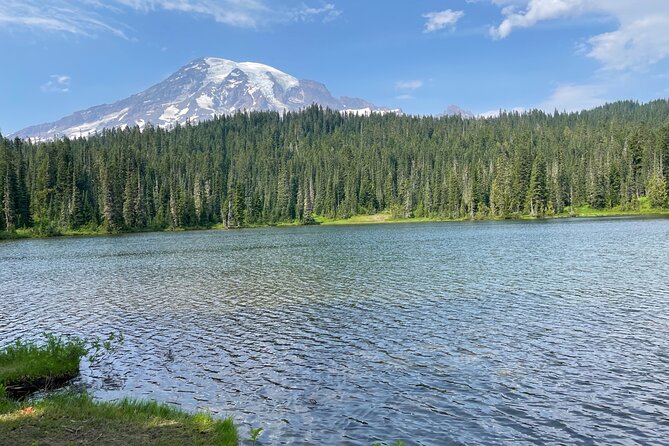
[64, 416]
[125, 421]
[363, 219]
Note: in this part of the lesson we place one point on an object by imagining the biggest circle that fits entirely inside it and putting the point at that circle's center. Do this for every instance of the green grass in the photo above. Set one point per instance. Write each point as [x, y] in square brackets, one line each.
[13, 235]
[379, 218]
[643, 208]
[28, 366]
[77, 419]
[66, 419]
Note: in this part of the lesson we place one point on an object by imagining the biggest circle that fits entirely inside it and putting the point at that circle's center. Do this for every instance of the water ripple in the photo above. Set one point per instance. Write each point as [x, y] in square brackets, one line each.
[501, 332]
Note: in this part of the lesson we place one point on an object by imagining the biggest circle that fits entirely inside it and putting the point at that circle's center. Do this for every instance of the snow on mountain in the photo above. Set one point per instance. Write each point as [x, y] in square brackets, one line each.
[199, 91]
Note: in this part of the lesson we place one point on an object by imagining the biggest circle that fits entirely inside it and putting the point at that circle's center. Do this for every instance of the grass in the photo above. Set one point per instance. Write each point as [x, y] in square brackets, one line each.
[70, 419]
[643, 208]
[13, 235]
[74, 418]
[27, 366]
[371, 219]
[85, 231]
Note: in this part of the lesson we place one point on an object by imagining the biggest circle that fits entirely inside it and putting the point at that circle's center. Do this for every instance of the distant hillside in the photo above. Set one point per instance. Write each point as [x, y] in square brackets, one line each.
[264, 168]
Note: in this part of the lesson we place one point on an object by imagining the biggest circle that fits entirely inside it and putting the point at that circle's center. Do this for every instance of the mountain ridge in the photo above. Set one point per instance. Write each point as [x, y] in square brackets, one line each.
[199, 91]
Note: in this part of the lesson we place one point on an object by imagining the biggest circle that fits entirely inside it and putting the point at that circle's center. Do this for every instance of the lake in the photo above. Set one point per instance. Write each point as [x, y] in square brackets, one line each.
[537, 332]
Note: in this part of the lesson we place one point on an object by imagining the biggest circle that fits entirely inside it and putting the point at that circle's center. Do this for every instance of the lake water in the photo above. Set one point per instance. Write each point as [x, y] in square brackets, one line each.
[553, 332]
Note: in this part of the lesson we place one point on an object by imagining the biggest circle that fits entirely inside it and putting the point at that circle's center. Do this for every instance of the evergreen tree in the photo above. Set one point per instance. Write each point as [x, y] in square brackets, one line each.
[536, 194]
[657, 190]
[262, 167]
[500, 193]
[664, 151]
[9, 200]
[238, 205]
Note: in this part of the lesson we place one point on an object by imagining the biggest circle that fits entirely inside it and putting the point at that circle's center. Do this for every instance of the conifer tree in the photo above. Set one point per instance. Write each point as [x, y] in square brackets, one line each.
[664, 151]
[9, 200]
[254, 168]
[656, 189]
[535, 202]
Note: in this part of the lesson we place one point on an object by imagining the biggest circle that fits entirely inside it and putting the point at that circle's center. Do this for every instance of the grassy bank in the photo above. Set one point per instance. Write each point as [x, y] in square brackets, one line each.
[14, 235]
[580, 212]
[381, 218]
[26, 367]
[74, 418]
[643, 209]
[77, 419]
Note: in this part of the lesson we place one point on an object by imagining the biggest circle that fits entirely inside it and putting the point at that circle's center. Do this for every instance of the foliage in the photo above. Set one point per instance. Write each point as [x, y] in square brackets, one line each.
[30, 363]
[98, 349]
[255, 433]
[259, 168]
[656, 190]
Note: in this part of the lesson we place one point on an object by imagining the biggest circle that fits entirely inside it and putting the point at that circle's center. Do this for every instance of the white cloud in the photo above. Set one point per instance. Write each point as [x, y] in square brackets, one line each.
[405, 97]
[58, 83]
[640, 40]
[94, 17]
[564, 98]
[327, 12]
[409, 85]
[243, 14]
[441, 19]
[572, 98]
[536, 11]
[635, 45]
[56, 16]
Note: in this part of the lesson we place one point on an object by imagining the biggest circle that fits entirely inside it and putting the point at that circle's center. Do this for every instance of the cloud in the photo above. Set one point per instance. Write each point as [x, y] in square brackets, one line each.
[408, 85]
[635, 45]
[56, 16]
[572, 98]
[405, 97]
[564, 98]
[58, 83]
[441, 19]
[327, 12]
[237, 13]
[536, 11]
[640, 40]
[94, 17]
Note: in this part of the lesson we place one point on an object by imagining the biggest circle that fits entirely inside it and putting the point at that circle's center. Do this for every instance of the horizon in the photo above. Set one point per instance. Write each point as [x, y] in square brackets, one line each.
[511, 55]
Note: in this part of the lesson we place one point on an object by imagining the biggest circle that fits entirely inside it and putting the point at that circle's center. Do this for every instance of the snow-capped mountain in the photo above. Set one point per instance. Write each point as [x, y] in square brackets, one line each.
[199, 91]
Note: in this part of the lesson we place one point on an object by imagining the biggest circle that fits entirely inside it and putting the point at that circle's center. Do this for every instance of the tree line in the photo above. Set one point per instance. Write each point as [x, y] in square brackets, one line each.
[265, 168]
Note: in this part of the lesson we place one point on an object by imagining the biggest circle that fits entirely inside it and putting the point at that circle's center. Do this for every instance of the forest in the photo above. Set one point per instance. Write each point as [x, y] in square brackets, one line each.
[266, 168]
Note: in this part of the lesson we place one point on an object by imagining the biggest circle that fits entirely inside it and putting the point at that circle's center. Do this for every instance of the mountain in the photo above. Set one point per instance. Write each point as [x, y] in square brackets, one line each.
[199, 91]
[454, 110]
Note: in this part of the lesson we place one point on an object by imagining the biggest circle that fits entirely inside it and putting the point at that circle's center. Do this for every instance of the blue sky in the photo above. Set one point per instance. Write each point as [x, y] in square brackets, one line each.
[60, 56]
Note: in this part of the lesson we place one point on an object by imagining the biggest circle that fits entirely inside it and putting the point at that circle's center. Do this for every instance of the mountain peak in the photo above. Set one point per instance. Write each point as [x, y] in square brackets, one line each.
[198, 91]
[454, 110]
